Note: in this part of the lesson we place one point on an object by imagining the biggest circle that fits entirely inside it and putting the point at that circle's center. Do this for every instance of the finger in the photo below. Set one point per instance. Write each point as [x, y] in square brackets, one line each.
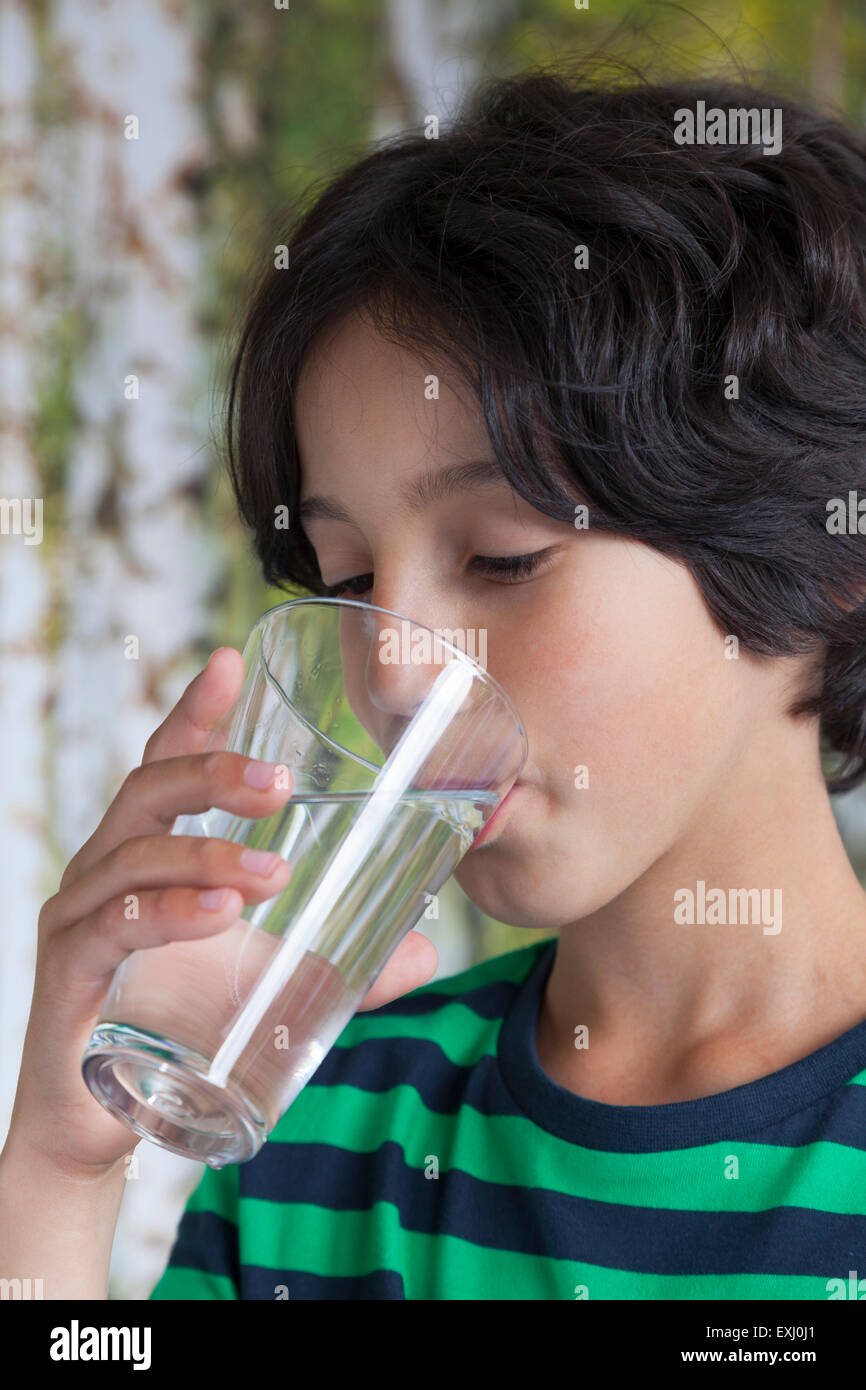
[163, 861]
[412, 964]
[155, 794]
[187, 728]
[90, 953]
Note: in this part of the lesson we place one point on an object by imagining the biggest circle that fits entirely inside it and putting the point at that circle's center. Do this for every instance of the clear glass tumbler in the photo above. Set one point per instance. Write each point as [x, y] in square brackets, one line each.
[401, 746]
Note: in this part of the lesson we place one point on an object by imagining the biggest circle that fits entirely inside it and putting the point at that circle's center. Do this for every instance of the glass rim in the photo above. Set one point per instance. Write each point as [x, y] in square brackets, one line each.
[483, 674]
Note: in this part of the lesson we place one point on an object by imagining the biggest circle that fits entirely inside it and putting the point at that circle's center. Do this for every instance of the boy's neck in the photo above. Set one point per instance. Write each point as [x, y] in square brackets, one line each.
[677, 1009]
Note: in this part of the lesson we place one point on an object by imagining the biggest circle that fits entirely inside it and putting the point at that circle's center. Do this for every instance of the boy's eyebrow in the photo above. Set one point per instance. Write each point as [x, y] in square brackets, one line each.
[430, 487]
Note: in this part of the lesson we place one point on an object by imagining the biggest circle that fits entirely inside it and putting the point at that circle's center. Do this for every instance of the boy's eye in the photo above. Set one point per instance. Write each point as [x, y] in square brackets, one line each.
[346, 586]
[508, 567]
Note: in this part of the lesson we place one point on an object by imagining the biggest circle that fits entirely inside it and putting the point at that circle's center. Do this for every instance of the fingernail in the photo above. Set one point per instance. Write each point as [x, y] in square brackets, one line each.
[259, 775]
[212, 655]
[259, 861]
[212, 899]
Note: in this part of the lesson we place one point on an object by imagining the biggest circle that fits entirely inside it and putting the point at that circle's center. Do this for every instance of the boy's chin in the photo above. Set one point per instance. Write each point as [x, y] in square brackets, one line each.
[517, 890]
[505, 893]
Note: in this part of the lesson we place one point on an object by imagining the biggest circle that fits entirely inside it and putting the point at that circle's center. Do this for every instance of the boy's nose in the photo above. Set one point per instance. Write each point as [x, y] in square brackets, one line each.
[401, 670]
[390, 671]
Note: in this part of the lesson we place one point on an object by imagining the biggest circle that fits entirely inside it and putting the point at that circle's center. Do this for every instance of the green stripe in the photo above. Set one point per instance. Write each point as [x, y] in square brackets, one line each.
[446, 1267]
[181, 1283]
[823, 1176]
[462, 1034]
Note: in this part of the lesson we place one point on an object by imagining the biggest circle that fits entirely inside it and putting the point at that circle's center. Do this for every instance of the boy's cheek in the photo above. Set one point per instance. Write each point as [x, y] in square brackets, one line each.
[621, 763]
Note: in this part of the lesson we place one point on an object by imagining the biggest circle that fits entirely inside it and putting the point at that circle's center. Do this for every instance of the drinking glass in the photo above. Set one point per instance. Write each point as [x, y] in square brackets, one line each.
[401, 746]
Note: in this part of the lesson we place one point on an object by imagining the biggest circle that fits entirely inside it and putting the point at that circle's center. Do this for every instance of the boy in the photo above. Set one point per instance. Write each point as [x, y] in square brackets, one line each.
[595, 390]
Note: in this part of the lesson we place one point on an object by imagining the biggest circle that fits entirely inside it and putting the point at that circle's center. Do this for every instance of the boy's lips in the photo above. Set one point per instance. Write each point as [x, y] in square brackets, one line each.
[483, 832]
[452, 784]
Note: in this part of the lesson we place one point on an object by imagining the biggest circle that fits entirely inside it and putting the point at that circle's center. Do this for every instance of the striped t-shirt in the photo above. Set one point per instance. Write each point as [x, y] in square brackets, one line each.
[431, 1157]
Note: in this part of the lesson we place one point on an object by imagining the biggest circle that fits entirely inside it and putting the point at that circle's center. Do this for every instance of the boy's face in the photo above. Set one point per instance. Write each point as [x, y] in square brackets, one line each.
[607, 650]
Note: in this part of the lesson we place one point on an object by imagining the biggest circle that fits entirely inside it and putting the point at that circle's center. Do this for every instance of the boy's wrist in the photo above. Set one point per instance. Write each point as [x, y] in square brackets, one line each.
[25, 1161]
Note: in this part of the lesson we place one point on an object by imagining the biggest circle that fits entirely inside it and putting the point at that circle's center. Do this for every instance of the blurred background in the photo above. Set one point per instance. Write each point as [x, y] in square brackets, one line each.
[143, 149]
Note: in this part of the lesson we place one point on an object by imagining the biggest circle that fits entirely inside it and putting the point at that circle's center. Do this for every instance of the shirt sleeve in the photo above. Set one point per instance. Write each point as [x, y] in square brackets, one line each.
[204, 1261]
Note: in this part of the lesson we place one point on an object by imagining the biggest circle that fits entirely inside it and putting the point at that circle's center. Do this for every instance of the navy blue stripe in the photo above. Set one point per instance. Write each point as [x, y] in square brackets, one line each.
[537, 1221]
[259, 1282]
[839, 1118]
[207, 1242]
[377, 1064]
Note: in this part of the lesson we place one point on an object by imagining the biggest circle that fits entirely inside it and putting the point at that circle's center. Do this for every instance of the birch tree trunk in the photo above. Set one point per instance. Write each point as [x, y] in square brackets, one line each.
[24, 581]
[139, 564]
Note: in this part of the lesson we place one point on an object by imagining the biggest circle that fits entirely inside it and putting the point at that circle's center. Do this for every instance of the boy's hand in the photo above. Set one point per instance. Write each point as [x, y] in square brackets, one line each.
[83, 934]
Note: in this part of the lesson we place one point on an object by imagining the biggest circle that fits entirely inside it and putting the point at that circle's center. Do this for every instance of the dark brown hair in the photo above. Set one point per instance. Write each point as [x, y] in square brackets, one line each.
[607, 384]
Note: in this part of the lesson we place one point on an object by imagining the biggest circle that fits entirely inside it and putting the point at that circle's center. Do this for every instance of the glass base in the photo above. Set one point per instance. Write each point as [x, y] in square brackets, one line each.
[160, 1089]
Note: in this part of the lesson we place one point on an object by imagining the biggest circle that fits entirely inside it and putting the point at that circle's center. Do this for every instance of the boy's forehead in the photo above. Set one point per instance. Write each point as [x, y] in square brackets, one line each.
[360, 391]
[356, 351]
